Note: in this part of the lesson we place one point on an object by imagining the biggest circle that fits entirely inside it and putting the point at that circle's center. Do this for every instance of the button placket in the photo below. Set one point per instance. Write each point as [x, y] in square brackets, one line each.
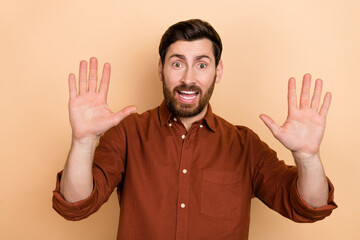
[184, 185]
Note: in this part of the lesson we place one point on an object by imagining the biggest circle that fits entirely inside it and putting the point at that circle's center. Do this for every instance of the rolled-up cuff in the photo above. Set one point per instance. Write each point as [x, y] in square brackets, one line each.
[313, 214]
[72, 211]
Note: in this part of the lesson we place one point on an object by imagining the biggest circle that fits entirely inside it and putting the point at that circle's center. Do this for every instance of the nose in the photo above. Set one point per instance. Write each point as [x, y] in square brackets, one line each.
[189, 76]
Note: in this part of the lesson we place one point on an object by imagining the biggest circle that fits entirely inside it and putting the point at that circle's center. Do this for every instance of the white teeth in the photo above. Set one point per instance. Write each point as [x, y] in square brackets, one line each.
[187, 97]
[188, 92]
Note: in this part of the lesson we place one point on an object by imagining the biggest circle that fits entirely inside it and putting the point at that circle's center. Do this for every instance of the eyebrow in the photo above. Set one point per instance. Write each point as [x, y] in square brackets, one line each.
[203, 56]
[182, 57]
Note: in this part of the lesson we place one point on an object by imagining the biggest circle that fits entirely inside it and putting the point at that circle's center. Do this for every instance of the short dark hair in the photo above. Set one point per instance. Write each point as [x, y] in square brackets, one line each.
[190, 30]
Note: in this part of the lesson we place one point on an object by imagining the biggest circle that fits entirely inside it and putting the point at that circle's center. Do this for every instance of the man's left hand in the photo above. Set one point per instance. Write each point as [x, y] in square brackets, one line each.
[304, 127]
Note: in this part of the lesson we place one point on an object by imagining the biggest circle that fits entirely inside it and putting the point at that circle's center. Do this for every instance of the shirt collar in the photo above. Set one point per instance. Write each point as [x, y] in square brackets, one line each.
[210, 118]
[165, 116]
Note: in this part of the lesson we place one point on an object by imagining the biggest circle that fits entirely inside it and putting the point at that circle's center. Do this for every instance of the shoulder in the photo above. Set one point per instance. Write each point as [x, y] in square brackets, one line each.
[240, 130]
[238, 134]
[136, 120]
[136, 117]
[241, 139]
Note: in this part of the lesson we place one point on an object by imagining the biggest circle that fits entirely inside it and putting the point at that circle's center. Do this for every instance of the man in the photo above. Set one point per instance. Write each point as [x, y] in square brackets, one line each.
[181, 171]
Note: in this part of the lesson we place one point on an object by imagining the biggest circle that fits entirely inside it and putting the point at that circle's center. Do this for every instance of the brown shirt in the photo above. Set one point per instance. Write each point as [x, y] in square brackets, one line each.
[196, 184]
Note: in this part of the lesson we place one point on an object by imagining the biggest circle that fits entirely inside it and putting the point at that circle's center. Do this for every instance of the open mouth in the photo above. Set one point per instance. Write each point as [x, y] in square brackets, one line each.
[187, 96]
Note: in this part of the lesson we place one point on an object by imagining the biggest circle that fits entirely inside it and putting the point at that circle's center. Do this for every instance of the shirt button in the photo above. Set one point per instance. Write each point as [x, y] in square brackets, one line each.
[175, 119]
[184, 171]
[182, 205]
[183, 136]
[169, 124]
[201, 126]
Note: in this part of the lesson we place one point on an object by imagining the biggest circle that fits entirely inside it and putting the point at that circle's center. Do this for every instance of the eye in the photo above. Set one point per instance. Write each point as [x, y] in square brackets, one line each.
[202, 65]
[176, 64]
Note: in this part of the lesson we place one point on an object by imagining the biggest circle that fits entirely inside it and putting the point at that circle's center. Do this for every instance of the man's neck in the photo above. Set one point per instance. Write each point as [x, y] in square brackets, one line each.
[188, 121]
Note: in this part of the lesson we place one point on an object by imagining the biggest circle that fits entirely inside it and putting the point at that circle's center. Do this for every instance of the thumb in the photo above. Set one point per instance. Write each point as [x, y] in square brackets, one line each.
[123, 113]
[273, 127]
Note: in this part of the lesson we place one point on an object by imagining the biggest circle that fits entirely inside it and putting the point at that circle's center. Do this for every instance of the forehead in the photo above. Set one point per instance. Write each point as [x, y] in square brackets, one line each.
[191, 49]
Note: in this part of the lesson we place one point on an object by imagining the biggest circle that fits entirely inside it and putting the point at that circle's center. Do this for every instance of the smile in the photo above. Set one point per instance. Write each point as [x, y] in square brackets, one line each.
[187, 96]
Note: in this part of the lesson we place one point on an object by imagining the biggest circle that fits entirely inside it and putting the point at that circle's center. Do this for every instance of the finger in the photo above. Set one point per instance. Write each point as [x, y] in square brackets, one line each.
[72, 86]
[326, 105]
[119, 116]
[83, 76]
[93, 74]
[292, 102]
[315, 101]
[105, 80]
[274, 128]
[305, 91]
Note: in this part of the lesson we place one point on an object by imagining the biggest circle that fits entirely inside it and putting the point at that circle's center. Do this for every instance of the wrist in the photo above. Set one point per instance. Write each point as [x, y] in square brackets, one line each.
[307, 164]
[307, 161]
[303, 156]
[85, 144]
[89, 140]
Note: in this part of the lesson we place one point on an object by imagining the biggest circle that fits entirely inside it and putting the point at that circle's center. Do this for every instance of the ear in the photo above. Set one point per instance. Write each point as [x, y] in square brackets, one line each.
[219, 71]
[160, 70]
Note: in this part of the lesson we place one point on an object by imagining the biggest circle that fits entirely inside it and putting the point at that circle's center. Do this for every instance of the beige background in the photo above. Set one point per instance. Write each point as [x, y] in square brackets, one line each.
[265, 43]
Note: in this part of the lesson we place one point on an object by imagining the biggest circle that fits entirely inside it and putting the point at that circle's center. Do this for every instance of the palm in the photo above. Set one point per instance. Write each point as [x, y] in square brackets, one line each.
[89, 113]
[304, 127]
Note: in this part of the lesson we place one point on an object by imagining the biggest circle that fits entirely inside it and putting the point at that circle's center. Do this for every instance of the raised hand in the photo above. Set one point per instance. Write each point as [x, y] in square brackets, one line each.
[304, 127]
[88, 110]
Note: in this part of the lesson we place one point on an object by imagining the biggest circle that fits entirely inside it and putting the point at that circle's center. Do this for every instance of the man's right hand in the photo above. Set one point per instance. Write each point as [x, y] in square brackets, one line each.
[89, 114]
[89, 117]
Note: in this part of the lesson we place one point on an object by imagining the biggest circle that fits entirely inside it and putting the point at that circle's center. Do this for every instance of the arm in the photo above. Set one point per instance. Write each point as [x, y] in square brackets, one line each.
[90, 117]
[302, 134]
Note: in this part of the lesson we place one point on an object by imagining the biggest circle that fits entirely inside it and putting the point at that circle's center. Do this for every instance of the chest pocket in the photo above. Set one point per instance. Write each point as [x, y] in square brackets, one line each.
[220, 194]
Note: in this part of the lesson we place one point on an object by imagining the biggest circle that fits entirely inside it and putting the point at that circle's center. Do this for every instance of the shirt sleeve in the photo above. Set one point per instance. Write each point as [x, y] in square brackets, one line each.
[311, 214]
[108, 171]
[274, 183]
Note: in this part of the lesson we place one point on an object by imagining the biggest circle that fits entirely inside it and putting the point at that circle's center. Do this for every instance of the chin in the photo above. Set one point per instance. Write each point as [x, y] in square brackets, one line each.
[183, 110]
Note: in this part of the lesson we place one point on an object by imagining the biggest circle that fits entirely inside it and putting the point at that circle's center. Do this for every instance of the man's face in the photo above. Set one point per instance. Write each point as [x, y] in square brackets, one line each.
[189, 75]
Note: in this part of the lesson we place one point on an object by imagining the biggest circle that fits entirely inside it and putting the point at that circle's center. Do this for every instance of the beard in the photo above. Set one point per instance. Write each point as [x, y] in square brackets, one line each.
[183, 110]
